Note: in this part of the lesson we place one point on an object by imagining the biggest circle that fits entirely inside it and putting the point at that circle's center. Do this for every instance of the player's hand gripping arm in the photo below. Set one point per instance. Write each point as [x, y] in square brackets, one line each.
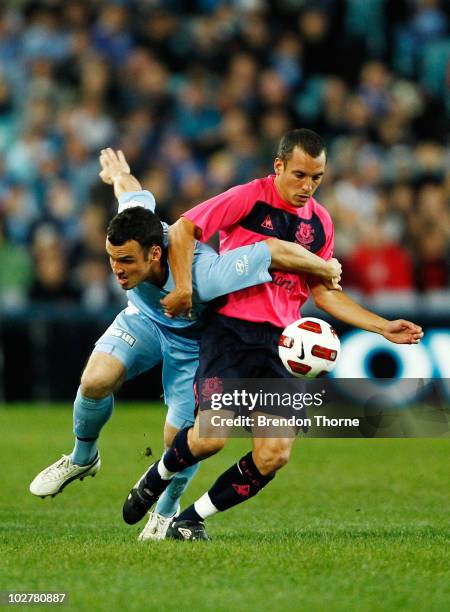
[290, 257]
[116, 171]
[342, 307]
[182, 237]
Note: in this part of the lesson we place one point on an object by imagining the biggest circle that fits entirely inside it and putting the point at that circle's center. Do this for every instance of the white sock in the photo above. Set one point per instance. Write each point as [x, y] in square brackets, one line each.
[163, 471]
[204, 506]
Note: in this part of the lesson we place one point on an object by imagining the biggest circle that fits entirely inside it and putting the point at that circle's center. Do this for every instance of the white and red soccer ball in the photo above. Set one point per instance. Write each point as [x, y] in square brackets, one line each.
[309, 347]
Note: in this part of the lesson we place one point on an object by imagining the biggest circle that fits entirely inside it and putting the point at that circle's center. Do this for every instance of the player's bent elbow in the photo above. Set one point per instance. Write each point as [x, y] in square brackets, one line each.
[275, 247]
[185, 227]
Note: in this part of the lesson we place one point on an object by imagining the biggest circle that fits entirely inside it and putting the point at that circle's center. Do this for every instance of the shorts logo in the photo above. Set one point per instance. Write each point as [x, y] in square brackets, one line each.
[242, 265]
[304, 234]
[125, 336]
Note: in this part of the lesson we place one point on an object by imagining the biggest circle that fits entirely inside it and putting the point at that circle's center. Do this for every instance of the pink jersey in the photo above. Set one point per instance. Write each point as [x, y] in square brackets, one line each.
[248, 213]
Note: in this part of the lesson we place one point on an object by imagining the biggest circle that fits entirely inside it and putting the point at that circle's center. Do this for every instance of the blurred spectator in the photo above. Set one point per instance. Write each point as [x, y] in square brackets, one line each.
[90, 241]
[238, 87]
[197, 118]
[95, 280]
[432, 266]
[197, 94]
[92, 125]
[20, 208]
[16, 271]
[377, 264]
[110, 34]
[375, 88]
[51, 282]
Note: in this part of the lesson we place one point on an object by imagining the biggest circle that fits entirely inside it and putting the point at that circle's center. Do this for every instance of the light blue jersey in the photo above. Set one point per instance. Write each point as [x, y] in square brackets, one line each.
[141, 335]
[212, 275]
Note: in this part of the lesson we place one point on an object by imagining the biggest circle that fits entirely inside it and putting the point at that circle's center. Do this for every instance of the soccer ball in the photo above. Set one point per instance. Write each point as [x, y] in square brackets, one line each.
[309, 347]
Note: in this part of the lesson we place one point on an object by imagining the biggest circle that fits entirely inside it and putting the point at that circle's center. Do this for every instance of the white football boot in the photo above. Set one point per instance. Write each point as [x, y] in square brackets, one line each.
[55, 477]
[156, 526]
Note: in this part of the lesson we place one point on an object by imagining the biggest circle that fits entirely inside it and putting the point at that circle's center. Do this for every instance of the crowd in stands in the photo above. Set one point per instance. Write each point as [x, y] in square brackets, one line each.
[197, 94]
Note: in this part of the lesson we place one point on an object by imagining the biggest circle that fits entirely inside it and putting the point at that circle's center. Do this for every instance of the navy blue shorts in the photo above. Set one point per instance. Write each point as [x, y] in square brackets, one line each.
[236, 349]
[233, 348]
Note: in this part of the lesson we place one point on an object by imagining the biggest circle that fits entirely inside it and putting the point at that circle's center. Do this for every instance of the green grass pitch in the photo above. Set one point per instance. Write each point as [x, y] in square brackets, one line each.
[347, 525]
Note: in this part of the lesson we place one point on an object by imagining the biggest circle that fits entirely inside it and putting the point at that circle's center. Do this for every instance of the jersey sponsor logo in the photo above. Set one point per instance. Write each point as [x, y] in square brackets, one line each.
[304, 234]
[285, 226]
[241, 265]
[284, 283]
[267, 223]
[123, 335]
[241, 490]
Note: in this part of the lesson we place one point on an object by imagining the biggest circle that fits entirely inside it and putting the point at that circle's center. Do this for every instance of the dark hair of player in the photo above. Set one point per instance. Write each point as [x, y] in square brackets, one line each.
[138, 224]
[307, 140]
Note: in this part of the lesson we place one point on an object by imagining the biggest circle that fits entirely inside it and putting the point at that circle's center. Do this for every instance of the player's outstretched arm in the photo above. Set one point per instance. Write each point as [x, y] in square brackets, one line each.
[342, 307]
[182, 235]
[116, 171]
[290, 257]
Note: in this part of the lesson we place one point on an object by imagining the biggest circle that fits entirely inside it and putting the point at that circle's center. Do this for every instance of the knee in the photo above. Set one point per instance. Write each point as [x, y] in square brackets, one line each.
[168, 438]
[271, 458]
[205, 447]
[94, 385]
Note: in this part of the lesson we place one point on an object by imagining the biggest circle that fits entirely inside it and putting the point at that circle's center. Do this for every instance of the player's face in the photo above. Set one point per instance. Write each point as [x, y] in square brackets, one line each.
[130, 264]
[297, 181]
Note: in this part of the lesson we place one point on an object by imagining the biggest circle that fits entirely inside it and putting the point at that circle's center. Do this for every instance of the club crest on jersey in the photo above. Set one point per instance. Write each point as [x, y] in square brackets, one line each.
[267, 223]
[241, 265]
[304, 234]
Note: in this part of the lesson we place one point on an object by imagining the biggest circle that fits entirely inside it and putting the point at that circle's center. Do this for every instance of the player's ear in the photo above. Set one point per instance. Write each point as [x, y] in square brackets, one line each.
[277, 165]
[155, 253]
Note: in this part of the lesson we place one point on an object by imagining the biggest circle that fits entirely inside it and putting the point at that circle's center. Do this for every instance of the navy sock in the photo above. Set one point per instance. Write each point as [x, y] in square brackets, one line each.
[239, 483]
[178, 457]
[190, 514]
[153, 481]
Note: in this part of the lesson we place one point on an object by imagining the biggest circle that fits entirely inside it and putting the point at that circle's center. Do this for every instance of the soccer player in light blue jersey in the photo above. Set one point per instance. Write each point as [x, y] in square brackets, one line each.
[143, 335]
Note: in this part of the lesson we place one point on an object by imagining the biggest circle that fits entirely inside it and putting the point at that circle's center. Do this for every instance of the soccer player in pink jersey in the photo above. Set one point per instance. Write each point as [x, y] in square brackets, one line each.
[241, 340]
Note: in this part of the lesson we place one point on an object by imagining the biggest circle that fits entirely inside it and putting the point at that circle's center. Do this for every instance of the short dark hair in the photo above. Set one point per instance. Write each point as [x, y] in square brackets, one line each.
[137, 223]
[307, 140]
